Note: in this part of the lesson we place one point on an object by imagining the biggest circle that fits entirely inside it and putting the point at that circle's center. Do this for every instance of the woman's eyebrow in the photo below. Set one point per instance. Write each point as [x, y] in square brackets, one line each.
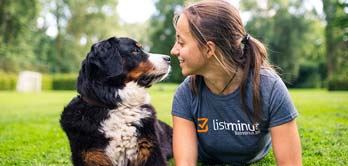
[178, 37]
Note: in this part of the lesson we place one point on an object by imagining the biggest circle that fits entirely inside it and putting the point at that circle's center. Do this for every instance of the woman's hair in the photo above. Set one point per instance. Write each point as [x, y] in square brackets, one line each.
[219, 21]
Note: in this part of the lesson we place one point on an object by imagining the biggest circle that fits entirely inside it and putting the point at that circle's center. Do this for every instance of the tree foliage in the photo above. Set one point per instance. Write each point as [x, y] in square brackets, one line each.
[163, 33]
[25, 45]
[307, 46]
[16, 20]
[336, 34]
[293, 35]
[80, 24]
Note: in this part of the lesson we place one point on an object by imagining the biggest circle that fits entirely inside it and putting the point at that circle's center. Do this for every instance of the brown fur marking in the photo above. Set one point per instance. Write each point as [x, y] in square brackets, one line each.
[143, 67]
[144, 150]
[96, 157]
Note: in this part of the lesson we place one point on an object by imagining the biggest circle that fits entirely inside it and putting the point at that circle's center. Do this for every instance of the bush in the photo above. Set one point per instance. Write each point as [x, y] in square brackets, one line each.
[64, 82]
[8, 81]
[46, 82]
[49, 82]
[309, 77]
[338, 83]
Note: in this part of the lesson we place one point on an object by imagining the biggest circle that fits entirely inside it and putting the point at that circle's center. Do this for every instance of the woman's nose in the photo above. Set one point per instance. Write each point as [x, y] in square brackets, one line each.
[174, 51]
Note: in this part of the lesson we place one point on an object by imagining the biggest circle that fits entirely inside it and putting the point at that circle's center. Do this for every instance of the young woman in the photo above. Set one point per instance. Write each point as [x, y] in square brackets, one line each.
[233, 107]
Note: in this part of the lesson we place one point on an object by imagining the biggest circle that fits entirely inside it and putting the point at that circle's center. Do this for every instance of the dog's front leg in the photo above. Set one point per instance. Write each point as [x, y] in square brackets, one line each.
[95, 157]
[149, 153]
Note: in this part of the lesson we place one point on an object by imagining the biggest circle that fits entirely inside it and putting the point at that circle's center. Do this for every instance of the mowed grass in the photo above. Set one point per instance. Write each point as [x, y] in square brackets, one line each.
[30, 133]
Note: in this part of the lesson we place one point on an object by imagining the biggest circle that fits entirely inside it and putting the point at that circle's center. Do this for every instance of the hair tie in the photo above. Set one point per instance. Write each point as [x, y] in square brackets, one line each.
[245, 39]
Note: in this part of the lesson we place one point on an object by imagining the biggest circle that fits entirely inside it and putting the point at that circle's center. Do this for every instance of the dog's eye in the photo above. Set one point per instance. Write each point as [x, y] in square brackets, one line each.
[138, 45]
[136, 51]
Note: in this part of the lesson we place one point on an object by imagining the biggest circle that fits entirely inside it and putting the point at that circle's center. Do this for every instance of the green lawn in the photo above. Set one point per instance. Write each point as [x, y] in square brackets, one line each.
[30, 133]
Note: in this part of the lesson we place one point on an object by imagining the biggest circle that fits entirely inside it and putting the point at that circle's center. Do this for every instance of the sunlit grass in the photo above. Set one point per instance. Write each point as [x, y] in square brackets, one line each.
[30, 133]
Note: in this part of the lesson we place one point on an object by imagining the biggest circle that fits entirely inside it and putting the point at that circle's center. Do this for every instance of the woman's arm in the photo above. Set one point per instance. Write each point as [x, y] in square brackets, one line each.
[184, 142]
[286, 144]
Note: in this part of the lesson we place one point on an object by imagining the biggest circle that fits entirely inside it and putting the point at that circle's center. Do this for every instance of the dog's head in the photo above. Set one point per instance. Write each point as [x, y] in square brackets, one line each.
[114, 62]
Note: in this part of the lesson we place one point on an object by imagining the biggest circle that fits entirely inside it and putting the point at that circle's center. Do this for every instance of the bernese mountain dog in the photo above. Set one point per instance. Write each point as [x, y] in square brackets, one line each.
[111, 121]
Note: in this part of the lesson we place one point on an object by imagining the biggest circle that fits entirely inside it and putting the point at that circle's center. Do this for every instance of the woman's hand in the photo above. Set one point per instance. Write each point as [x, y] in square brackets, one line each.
[286, 144]
[184, 142]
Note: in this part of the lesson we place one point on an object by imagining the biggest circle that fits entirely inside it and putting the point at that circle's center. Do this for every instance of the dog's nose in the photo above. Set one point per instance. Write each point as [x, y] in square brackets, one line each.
[167, 58]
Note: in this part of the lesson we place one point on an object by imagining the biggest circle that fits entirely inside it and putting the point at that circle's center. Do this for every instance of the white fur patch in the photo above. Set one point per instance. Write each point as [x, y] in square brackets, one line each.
[161, 65]
[119, 127]
[133, 95]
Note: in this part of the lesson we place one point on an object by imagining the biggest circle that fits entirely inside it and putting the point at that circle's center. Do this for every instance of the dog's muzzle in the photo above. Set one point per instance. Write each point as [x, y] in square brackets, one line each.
[161, 63]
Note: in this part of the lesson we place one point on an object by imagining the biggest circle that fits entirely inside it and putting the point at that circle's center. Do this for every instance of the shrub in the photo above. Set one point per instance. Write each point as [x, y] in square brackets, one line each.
[309, 77]
[46, 82]
[49, 82]
[64, 82]
[338, 83]
[8, 81]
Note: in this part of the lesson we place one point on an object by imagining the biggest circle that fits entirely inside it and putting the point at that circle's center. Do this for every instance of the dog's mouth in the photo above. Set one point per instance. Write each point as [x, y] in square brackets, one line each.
[148, 80]
[161, 69]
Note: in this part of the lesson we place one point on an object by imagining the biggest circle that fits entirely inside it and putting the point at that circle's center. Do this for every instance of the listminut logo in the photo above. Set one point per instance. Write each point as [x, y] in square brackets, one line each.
[202, 125]
[238, 127]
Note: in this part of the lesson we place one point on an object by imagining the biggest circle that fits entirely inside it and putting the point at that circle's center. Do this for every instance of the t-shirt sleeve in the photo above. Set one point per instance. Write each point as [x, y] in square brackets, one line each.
[181, 106]
[282, 109]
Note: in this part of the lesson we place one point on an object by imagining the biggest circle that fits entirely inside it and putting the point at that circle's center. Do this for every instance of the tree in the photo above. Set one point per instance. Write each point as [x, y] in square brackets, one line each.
[92, 20]
[25, 45]
[336, 35]
[163, 33]
[79, 24]
[16, 22]
[291, 33]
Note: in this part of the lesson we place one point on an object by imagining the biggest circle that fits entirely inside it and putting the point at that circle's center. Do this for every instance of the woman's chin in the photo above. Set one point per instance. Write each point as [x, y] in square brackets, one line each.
[185, 73]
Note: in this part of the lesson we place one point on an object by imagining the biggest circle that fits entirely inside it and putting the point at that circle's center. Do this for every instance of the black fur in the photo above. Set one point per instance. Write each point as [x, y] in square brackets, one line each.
[81, 122]
[104, 71]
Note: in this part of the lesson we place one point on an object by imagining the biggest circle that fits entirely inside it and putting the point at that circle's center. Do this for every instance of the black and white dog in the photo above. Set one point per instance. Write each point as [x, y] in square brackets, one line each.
[112, 122]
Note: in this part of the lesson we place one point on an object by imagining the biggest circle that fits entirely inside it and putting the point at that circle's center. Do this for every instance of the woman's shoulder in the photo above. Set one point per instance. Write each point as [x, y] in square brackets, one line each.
[269, 78]
[271, 84]
[184, 86]
[268, 73]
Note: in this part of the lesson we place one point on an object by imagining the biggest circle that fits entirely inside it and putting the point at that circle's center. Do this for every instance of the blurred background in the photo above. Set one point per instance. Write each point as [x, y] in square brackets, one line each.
[306, 39]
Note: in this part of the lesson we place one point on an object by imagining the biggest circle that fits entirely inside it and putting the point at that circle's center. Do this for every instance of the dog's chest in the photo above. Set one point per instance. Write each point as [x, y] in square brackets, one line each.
[120, 128]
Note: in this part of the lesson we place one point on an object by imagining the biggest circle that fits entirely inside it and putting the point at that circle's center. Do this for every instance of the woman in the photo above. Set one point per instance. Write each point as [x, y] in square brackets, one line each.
[233, 107]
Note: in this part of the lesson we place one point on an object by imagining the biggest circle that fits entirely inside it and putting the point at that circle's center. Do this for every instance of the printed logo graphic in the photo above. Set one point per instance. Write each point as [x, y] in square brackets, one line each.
[239, 128]
[202, 125]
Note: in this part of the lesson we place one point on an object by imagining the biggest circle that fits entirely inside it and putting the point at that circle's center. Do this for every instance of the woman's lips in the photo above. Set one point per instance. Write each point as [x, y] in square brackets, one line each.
[181, 60]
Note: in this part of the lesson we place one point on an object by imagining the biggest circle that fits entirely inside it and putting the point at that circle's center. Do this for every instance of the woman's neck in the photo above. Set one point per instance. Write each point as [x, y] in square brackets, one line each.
[220, 82]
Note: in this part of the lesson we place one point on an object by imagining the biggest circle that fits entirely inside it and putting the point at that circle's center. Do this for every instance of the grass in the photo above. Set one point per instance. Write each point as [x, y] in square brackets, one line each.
[30, 133]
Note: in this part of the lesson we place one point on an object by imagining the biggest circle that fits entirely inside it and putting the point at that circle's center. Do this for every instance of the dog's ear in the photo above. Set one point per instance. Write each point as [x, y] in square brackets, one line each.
[111, 59]
[104, 60]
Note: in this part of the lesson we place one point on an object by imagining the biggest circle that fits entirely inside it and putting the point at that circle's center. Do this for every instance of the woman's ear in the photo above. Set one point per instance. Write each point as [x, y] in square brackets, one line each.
[211, 48]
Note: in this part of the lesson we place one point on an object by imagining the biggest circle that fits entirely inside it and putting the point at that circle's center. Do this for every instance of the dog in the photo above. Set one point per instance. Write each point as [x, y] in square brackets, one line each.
[111, 121]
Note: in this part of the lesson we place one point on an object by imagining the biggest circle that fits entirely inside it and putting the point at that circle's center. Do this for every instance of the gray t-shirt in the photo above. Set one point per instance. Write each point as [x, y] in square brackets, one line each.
[226, 134]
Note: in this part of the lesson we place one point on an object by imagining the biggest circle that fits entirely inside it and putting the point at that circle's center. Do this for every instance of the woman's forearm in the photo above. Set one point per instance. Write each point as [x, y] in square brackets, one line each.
[184, 142]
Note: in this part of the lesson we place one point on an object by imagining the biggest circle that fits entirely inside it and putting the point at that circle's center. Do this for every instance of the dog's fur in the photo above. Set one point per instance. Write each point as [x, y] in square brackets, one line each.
[111, 121]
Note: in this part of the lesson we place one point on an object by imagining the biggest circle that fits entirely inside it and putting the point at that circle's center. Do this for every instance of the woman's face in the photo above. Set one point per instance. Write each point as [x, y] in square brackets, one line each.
[186, 49]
